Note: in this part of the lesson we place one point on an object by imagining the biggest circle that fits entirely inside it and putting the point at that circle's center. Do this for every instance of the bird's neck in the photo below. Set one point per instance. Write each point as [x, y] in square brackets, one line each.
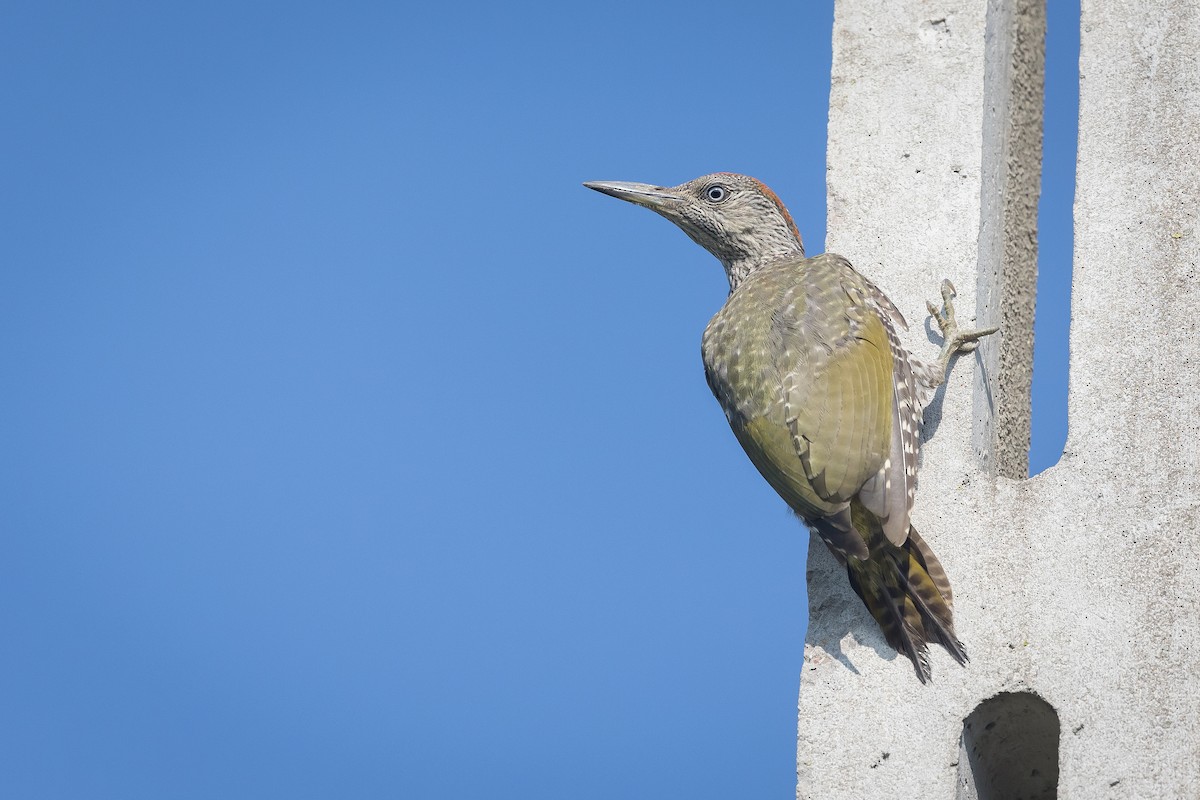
[738, 269]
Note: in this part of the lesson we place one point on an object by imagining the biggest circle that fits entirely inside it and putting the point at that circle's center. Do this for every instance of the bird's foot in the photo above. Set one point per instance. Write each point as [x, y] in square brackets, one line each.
[955, 339]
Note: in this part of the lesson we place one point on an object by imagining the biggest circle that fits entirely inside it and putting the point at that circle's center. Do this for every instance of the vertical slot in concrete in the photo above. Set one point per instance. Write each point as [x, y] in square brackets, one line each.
[1056, 238]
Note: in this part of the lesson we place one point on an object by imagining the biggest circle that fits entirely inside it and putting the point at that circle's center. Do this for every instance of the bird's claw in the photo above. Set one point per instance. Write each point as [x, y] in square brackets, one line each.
[955, 340]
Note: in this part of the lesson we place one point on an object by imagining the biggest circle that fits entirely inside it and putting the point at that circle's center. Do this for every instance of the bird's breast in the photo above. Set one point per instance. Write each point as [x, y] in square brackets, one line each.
[754, 343]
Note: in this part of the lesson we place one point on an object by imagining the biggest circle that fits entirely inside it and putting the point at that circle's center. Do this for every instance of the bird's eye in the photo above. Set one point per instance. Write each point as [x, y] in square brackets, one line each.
[716, 193]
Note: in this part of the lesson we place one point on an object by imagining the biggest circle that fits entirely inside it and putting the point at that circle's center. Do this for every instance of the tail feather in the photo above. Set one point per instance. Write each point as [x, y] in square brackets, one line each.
[908, 594]
[936, 612]
[929, 562]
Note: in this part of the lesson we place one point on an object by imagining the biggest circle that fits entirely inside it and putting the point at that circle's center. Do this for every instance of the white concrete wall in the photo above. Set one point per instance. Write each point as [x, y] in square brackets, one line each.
[1083, 584]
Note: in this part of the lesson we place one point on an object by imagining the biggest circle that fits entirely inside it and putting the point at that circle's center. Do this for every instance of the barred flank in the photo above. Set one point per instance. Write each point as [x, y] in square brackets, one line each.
[907, 592]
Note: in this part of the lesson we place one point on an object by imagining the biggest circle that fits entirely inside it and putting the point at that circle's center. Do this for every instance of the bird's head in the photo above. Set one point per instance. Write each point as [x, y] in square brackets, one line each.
[734, 217]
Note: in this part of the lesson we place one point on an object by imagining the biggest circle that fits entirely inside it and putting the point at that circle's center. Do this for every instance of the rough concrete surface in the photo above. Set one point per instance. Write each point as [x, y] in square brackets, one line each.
[1013, 89]
[1082, 585]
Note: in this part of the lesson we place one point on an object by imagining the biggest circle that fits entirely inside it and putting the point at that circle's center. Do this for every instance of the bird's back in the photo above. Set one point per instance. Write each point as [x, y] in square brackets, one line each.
[800, 361]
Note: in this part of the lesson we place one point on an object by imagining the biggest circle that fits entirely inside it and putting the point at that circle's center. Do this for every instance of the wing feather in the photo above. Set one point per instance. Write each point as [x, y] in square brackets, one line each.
[809, 388]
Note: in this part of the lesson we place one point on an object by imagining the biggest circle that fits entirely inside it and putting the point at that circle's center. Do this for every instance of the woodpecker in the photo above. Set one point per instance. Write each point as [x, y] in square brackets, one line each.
[807, 364]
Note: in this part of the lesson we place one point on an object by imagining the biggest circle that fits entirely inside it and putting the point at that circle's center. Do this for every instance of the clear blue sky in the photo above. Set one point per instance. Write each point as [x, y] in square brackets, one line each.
[350, 448]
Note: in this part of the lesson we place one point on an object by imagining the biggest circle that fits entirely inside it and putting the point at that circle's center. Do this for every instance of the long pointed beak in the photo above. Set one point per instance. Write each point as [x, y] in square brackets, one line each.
[657, 198]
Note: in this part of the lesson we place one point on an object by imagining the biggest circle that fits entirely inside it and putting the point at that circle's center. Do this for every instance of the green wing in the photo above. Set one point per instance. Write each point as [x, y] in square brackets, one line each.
[841, 413]
[801, 362]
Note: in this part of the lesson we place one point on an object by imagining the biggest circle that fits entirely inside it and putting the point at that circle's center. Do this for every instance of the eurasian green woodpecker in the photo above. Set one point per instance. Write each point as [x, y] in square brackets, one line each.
[805, 360]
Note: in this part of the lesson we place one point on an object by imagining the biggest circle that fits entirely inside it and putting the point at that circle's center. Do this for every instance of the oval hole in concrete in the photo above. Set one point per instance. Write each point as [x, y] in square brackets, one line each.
[1009, 750]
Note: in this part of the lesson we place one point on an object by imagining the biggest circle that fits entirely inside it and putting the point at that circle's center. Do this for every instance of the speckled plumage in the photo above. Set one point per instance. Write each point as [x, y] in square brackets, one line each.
[802, 346]
[806, 362]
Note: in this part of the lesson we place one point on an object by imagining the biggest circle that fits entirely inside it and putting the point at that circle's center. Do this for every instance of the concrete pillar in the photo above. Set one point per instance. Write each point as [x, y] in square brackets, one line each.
[1077, 593]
